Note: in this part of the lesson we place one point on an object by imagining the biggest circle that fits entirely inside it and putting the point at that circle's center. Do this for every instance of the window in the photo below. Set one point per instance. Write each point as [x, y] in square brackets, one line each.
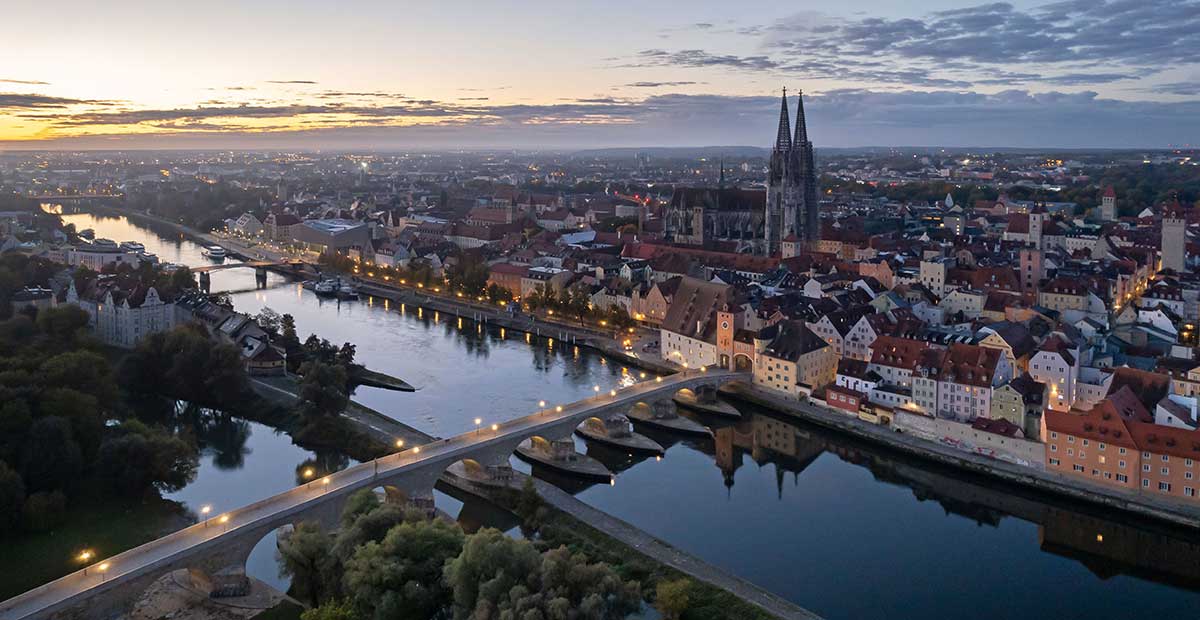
[1145, 455]
[1165, 487]
[1054, 447]
[1165, 458]
[1085, 443]
[1189, 491]
[1146, 467]
[1122, 478]
[1187, 475]
[1054, 435]
[1101, 446]
[1078, 467]
[1145, 482]
[1070, 451]
[1070, 439]
[1121, 451]
[1102, 459]
[1187, 462]
[1055, 461]
[1121, 464]
[1166, 472]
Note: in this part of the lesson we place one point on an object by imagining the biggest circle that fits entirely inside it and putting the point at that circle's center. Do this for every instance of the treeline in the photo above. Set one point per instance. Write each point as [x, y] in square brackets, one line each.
[385, 562]
[64, 426]
[204, 206]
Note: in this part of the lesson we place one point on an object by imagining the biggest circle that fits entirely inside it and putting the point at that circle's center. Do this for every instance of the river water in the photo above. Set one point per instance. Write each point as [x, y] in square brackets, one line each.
[844, 529]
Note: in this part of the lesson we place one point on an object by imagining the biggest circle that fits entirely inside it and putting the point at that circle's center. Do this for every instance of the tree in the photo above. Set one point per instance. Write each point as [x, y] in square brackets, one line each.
[142, 458]
[671, 598]
[322, 389]
[271, 321]
[63, 325]
[401, 576]
[52, 459]
[497, 576]
[12, 499]
[81, 410]
[345, 355]
[332, 610]
[45, 511]
[304, 556]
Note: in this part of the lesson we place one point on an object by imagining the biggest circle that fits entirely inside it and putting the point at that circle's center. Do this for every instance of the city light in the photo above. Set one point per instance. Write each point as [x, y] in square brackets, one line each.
[399, 443]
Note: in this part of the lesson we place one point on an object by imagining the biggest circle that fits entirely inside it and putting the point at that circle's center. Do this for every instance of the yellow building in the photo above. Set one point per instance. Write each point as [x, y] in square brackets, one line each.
[792, 360]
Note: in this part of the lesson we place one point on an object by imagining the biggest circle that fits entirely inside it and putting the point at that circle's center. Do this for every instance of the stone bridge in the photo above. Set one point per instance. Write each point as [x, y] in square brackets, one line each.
[222, 543]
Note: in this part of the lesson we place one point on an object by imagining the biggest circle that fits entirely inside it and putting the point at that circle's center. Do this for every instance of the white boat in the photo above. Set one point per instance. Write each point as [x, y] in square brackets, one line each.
[345, 291]
[132, 246]
[326, 288]
[214, 252]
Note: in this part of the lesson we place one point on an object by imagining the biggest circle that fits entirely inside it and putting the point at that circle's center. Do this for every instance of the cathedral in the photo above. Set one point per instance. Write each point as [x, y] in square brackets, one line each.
[750, 220]
[792, 205]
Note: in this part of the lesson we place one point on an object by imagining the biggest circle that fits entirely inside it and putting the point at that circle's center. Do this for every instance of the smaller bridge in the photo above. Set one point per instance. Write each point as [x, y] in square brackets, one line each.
[223, 543]
[69, 197]
[250, 264]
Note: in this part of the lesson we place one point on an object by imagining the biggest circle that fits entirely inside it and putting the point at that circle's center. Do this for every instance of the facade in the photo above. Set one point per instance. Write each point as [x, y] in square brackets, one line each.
[122, 318]
[702, 216]
[793, 361]
[689, 331]
[1174, 241]
[792, 206]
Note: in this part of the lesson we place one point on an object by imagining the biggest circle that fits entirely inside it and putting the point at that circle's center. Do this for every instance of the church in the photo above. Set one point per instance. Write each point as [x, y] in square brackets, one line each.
[784, 216]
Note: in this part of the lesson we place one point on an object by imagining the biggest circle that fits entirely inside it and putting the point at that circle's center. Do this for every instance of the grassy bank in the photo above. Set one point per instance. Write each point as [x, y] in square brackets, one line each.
[106, 526]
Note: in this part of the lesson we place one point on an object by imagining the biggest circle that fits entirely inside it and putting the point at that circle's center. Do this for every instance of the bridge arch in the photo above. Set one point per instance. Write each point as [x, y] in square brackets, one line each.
[742, 363]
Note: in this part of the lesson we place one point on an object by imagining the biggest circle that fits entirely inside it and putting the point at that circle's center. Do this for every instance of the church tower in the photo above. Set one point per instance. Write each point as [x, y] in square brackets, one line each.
[791, 208]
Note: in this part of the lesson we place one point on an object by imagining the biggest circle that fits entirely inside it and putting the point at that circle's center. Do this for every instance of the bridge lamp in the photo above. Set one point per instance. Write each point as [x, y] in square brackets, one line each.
[224, 521]
[495, 427]
[417, 450]
[596, 389]
[612, 392]
[308, 472]
[84, 557]
[204, 510]
[704, 369]
[642, 375]
[103, 568]
[399, 443]
[658, 379]
[325, 482]
[477, 423]
[542, 404]
[558, 409]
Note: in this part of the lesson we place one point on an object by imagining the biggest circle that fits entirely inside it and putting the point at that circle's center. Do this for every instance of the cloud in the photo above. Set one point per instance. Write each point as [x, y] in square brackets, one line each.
[1178, 88]
[27, 82]
[846, 117]
[17, 101]
[1058, 44]
[660, 84]
[290, 82]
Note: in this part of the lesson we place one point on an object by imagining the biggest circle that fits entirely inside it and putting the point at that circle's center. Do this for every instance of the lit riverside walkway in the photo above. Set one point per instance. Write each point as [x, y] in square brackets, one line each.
[108, 573]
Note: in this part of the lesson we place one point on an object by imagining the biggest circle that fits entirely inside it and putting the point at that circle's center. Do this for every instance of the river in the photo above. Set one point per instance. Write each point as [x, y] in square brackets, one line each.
[844, 529]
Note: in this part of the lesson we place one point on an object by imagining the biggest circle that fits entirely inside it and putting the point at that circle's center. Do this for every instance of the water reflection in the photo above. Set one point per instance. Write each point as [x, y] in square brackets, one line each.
[797, 509]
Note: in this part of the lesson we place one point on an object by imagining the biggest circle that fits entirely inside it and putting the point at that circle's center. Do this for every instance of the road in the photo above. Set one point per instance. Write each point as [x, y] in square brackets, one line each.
[138, 561]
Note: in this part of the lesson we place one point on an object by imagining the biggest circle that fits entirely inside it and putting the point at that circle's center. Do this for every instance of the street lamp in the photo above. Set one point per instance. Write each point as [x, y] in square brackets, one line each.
[558, 409]
[542, 404]
[477, 423]
[84, 557]
[612, 392]
[204, 510]
[103, 568]
[224, 521]
[325, 483]
[495, 427]
[399, 444]
[596, 389]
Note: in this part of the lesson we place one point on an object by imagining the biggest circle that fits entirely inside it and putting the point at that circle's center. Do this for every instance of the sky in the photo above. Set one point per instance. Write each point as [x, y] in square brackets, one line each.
[529, 74]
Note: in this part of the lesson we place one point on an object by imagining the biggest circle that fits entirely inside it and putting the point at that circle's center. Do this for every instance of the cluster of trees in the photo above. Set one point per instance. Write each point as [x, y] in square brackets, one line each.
[63, 428]
[16, 271]
[204, 206]
[385, 562]
[185, 363]
[576, 301]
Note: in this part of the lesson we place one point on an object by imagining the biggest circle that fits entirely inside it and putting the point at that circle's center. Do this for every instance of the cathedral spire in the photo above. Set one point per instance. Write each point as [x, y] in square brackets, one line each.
[721, 181]
[783, 140]
[801, 125]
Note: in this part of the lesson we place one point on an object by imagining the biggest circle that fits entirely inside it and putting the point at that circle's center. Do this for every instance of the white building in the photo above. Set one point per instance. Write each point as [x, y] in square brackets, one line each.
[120, 318]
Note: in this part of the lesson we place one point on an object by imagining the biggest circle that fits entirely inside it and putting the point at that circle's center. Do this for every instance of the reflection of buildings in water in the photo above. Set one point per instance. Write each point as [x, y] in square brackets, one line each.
[1107, 547]
[767, 440]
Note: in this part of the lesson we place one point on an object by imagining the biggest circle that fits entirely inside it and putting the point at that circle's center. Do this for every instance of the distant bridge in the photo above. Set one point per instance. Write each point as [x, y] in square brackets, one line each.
[251, 264]
[222, 543]
[68, 197]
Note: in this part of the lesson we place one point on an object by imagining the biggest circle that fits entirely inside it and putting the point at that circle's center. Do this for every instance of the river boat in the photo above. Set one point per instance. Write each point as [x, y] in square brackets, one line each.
[214, 252]
[133, 246]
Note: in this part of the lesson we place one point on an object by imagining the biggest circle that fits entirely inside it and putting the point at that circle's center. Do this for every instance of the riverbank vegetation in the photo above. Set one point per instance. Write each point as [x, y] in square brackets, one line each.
[675, 595]
[386, 562]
